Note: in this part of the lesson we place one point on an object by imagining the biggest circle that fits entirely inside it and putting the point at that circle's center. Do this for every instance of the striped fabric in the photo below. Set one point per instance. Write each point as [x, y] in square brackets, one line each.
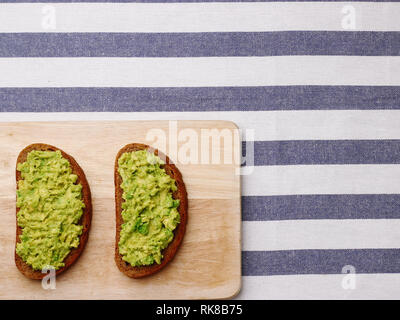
[318, 82]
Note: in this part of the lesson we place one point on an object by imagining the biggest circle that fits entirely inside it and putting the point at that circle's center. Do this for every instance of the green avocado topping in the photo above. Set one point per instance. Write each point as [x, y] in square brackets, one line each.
[50, 207]
[149, 212]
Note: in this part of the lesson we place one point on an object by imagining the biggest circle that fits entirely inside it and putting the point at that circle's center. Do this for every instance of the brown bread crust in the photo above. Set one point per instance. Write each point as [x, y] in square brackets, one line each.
[85, 220]
[170, 251]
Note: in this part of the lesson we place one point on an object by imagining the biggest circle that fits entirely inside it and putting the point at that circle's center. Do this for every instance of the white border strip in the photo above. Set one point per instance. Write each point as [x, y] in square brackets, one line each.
[198, 17]
[321, 234]
[199, 72]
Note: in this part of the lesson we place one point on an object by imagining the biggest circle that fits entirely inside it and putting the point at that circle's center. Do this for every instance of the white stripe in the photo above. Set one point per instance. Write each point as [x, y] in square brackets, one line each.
[199, 72]
[321, 234]
[322, 179]
[267, 125]
[198, 17]
[327, 286]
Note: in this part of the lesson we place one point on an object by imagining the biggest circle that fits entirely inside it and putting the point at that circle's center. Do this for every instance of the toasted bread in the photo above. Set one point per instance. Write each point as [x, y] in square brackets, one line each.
[85, 220]
[170, 251]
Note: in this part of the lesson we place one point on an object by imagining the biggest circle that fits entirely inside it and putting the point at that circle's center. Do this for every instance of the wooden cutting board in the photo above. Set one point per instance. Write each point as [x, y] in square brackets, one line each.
[208, 264]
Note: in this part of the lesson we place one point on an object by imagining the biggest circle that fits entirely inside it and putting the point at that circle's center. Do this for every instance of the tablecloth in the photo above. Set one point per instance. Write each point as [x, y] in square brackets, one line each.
[317, 82]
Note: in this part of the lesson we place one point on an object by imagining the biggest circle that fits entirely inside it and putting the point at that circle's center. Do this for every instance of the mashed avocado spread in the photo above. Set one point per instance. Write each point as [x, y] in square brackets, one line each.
[51, 205]
[149, 212]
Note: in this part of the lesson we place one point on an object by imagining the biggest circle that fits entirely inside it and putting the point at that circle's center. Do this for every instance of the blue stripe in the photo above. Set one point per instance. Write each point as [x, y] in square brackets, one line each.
[268, 153]
[199, 99]
[207, 44]
[340, 206]
[266, 263]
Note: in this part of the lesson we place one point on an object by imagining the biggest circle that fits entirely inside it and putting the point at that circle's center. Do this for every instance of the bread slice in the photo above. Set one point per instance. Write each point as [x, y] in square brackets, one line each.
[85, 220]
[170, 251]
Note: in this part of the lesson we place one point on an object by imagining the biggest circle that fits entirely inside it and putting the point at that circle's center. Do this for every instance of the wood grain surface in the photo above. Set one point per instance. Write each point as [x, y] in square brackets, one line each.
[208, 264]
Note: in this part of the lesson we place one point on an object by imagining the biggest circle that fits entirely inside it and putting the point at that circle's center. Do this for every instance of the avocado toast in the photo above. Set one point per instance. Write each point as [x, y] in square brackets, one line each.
[54, 210]
[151, 210]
